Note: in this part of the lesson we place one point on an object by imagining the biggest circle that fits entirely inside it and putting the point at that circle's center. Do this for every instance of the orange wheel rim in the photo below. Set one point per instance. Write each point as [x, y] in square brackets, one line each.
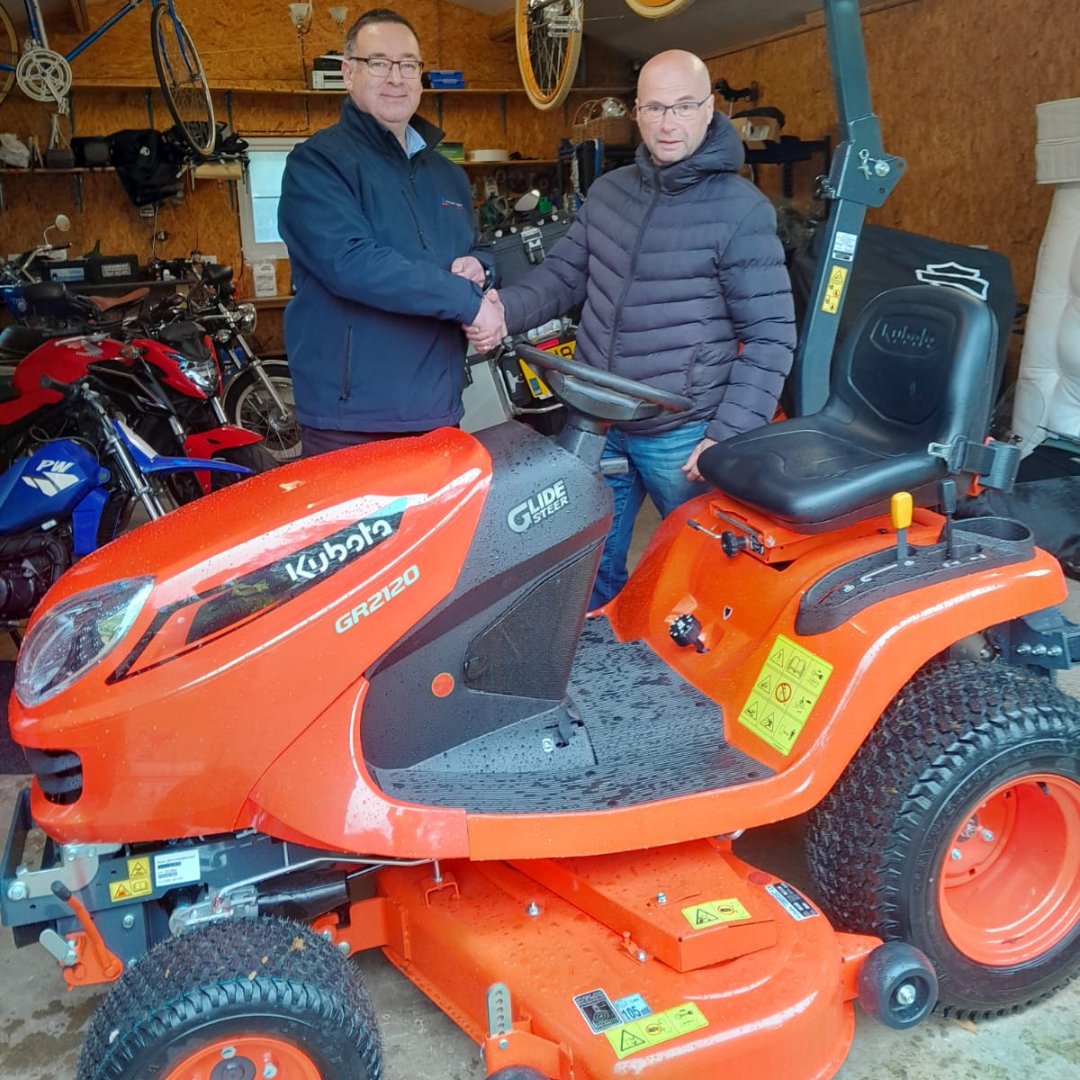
[1010, 880]
[250, 1057]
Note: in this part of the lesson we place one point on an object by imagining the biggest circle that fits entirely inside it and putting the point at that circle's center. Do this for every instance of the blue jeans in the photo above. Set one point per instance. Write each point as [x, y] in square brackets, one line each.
[656, 463]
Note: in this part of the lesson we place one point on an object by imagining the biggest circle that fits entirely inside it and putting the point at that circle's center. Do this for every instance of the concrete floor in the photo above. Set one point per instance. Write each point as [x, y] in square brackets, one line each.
[41, 1026]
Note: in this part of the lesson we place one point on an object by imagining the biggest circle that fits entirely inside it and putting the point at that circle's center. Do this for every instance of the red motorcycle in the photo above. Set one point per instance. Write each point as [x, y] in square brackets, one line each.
[166, 385]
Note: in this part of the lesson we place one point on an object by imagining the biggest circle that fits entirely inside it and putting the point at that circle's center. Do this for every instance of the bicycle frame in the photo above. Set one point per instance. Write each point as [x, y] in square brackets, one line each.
[35, 24]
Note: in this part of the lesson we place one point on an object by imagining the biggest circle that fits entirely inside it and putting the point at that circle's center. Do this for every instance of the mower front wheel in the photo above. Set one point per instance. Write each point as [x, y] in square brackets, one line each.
[956, 828]
[252, 998]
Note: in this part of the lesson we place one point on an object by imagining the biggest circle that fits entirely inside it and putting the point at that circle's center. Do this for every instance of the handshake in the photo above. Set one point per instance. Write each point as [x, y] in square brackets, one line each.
[489, 326]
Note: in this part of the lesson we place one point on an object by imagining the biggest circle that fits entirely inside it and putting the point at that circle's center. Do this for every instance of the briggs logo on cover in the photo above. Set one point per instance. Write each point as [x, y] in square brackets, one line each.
[903, 340]
[540, 506]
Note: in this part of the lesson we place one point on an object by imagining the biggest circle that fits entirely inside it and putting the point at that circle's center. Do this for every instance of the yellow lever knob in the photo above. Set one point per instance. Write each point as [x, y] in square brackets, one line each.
[900, 510]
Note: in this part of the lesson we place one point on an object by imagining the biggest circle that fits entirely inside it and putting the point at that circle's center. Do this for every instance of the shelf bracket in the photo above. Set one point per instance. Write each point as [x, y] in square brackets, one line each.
[77, 186]
[229, 110]
[438, 111]
[502, 112]
[148, 97]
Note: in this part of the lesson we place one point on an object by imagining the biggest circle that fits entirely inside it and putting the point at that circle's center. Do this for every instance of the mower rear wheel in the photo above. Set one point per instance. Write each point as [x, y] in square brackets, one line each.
[250, 998]
[956, 828]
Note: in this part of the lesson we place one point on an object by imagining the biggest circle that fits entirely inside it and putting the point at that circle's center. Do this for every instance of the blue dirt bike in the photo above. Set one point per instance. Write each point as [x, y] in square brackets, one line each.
[74, 475]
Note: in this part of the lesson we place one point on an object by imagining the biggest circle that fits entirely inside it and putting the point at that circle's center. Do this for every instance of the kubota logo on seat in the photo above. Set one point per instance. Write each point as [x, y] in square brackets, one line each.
[53, 477]
[903, 339]
[542, 505]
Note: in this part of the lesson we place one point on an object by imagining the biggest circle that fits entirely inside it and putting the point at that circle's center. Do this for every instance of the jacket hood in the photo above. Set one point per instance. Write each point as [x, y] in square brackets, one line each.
[720, 151]
[366, 127]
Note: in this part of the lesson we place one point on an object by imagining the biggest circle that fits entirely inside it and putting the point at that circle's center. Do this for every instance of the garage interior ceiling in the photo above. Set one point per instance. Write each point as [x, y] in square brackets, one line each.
[706, 26]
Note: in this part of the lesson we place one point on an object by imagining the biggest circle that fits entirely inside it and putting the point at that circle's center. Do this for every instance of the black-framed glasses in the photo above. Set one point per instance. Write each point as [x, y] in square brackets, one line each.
[380, 67]
[681, 110]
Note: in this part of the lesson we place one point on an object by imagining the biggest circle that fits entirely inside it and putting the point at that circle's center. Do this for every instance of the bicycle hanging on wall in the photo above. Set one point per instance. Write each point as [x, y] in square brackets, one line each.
[45, 75]
[547, 34]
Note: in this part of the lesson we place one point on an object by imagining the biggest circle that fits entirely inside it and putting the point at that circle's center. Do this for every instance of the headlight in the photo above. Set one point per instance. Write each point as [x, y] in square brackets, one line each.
[247, 316]
[76, 635]
[203, 373]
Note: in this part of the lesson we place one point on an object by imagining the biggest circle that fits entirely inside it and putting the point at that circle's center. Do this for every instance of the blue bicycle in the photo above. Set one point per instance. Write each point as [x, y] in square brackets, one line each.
[45, 75]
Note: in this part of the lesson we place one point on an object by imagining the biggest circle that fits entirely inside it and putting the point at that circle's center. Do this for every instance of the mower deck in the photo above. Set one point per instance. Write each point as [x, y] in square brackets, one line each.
[681, 963]
[664, 740]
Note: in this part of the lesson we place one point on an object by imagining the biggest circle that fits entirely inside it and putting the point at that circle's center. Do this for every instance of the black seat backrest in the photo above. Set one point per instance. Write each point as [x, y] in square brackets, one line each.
[918, 367]
[909, 403]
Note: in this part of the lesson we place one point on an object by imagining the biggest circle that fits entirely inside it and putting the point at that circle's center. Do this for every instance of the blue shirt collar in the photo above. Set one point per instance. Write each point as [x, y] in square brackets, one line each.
[414, 142]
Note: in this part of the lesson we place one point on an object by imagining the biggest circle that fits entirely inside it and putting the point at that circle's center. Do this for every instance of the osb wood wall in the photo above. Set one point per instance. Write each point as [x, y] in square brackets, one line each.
[247, 44]
[955, 84]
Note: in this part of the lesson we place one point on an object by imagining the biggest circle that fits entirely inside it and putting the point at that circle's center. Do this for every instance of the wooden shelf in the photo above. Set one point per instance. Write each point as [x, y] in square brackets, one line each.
[503, 164]
[303, 92]
[81, 170]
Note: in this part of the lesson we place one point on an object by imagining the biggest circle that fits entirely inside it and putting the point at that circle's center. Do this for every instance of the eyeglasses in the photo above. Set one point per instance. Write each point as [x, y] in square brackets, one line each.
[380, 67]
[681, 110]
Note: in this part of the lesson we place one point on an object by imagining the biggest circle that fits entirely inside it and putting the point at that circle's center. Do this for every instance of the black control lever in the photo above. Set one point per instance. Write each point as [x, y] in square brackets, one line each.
[947, 501]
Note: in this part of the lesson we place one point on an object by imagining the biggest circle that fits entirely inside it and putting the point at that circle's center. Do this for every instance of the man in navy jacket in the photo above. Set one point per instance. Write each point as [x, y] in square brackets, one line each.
[382, 242]
[677, 263]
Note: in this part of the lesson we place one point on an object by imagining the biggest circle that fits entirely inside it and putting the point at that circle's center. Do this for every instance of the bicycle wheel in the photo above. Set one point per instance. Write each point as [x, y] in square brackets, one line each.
[182, 79]
[9, 53]
[657, 9]
[548, 38]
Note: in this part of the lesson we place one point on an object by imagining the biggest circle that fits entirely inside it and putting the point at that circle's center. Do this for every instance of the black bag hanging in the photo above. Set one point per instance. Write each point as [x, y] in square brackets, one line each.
[147, 163]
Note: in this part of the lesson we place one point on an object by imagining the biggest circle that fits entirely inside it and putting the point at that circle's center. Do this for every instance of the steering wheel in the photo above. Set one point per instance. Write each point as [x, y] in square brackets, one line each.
[630, 388]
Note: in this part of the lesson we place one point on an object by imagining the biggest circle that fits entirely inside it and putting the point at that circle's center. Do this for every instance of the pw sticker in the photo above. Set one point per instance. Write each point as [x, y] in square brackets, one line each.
[651, 1030]
[834, 290]
[700, 916]
[786, 691]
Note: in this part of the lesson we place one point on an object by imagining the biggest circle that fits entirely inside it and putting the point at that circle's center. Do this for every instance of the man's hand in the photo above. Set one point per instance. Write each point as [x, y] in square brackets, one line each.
[470, 268]
[690, 468]
[489, 327]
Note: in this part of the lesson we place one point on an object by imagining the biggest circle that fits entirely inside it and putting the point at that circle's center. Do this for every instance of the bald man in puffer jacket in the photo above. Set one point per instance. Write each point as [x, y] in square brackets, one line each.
[677, 262]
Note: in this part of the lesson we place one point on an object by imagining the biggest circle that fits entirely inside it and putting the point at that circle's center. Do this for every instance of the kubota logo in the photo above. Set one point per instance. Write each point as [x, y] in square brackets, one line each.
[52, 477]
[345, 545]
[904, 339]
[542, 505]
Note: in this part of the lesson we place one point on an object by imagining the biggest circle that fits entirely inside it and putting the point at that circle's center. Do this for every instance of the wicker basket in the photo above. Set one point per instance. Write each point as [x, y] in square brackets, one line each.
[590, 123]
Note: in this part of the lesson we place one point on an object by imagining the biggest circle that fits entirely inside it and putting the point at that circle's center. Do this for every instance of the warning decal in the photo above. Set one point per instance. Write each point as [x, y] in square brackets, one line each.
[791, 681]
[652, 1030]
[139, 868]
[597, 1009]
[129, 889]
[834, 290]
[714, 913]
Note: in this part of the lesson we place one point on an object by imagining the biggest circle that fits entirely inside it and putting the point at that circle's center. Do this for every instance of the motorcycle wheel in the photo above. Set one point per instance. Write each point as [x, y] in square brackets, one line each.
[255, 457]
[248, 405]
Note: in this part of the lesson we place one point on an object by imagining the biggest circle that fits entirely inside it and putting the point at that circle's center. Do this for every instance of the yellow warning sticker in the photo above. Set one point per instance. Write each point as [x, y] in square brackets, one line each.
[651, 1030]
[834, 290]
[714, 913]
[791, 681]
[129, 889]
[139, 868]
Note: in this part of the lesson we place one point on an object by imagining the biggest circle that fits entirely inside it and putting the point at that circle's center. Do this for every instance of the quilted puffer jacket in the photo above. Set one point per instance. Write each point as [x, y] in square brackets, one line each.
[683, 282]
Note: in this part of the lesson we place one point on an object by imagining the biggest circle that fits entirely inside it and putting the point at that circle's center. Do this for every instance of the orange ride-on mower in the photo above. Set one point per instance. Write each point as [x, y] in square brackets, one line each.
[357, 704]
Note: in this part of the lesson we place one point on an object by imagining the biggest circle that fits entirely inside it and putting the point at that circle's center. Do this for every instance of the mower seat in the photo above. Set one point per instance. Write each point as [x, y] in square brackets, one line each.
[913, 378]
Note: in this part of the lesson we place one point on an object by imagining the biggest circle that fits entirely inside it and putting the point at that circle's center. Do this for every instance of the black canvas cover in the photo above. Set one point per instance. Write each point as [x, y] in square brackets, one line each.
[887, 258]
[148, 164]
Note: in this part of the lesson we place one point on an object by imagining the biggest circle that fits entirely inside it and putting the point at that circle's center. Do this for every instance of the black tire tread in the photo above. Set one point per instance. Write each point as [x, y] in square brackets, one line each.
[944, 715]
[271, 963]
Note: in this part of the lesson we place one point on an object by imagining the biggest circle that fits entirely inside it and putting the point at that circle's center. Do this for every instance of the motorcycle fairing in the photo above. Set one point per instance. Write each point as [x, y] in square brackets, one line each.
[48, 483]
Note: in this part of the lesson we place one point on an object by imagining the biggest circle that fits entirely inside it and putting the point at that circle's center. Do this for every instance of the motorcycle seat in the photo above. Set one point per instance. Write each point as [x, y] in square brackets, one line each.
[914, 376]
[18, 341]
[107, 303]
